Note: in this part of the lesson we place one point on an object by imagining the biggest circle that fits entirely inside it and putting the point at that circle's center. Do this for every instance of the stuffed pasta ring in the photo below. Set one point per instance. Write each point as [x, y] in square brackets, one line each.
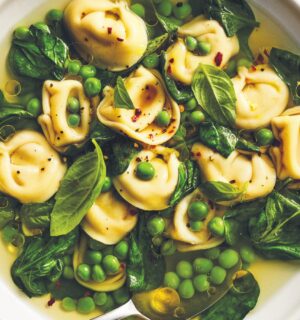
[149, 96]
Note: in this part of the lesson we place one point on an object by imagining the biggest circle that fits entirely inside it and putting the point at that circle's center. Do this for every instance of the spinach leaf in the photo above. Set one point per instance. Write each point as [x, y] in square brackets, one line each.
[188, 181]
[234, 15]
[181, 95]
[101, 133]
[220, 191]
[145, 268]
[287, 65]
[122, 152]
[214, 91]
[8, 210]
[43, 56]
[40, 261]
[36, 215]
[276, 231]
[121, 96]
[78, 191]
[66, 288]
[236, 304]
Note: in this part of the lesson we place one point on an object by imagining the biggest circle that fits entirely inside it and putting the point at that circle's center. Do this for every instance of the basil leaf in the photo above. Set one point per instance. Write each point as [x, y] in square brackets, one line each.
[121, 96]
[9, 208]
[245, 145]
[220, 191]
[78, 191]
[101, 133]
[287, 65]
[214, 91]
[8, 109]
[43, 56]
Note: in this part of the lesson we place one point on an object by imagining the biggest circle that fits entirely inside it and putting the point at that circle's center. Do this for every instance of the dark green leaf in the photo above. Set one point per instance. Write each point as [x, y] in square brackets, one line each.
[220, 191]
[10, 109]
[243, 36]
[78, 191]
[188, 181]
[145, 268]
[236, 304]
[245, 145]
[66, 288]
[121, 96]
[39, 261]
[8, 210]
[156, 43]
[214, 91]
[287, 65]
[101, 133]
[168, 24]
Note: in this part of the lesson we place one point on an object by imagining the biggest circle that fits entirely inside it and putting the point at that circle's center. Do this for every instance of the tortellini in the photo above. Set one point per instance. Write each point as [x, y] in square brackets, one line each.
[107, 32]
[181, 63]
[253, 174]
[109, 219]
[154, 194]
[53, 120]
[111, 283]
[179, 229]
[261, 95]
[286, 156]
[31, 170]
[149, 96]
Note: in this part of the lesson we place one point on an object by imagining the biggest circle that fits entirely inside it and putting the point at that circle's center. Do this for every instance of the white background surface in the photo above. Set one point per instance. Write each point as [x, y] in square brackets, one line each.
[284, 303]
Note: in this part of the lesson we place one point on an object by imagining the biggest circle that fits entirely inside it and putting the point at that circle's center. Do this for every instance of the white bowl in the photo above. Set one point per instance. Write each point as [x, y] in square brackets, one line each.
[280, 282]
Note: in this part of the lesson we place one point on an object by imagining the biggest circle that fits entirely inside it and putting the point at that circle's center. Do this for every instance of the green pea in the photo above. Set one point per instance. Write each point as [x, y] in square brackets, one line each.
[74, 67]
[73, 120]
[228, 258]
[156, 226]
[244, 63]
[191, 104]
[67, 260]
[196, 226]
[121, 250]
[212, 253]
[264, 137]
[196, 117]
[191, 43]
[108, 250]
[168, 248]
[216, 226]
[68, 304]
[121, 295]
[231, 68]
[198, 210]
[138, 9]
[111, 264]
[186, 289]
[84, 272]
[202, 265]
[109, 305]
[98, 273]
[171, 280]
[100, 298]
[165, 8]
[151, 61]
[96, 245]
[247, 254]
[92, 257]
[201, 283]
[34, 106]
[68, 273]
[217, 275]
[182, 10]
[73, 105]
[107, 184]
[92, 87]
[55, 15]
[22, 33]
[42, 26]
[87, 71]
[204, 47]
[184, 269]
[145, 171]
[163, 118]
[86, 305]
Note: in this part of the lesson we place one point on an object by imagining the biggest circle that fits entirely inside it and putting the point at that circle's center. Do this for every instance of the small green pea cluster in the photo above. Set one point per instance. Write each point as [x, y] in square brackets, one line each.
[199, 47]
[197, 212]
[192, 113]
[105, 301]
[201, 274]
[177, 12]
[73, 107]
[101, 261]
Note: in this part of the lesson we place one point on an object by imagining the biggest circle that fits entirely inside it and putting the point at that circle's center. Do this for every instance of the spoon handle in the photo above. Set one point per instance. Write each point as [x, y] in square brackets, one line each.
[122, 312]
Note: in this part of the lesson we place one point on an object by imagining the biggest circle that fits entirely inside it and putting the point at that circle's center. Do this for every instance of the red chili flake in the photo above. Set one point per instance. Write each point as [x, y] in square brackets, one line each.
[218, 59]
[120, 39]
[266, 53]
[253, 68]
[109, 30]
[172, 60]
[137, 114]
[171, 131]
[51, 302]
[169, 69]
[198, 154]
